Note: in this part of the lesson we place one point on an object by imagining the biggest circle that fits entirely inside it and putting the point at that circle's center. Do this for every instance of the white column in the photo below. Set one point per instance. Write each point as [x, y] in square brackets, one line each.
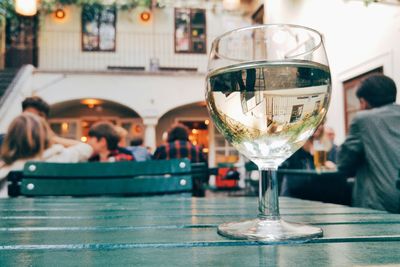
[150, 132]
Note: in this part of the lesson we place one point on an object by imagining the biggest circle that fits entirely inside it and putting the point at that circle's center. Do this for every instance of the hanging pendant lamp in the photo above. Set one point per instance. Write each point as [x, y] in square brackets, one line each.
[26, 7]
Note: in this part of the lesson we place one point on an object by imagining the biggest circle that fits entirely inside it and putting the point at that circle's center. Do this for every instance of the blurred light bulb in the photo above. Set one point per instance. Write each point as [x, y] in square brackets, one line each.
[26, 7]
[231, 4]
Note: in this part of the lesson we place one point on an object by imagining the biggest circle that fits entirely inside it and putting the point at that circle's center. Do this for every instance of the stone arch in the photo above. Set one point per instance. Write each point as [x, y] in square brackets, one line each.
[73, 118]
[76, 108]
[193, 111]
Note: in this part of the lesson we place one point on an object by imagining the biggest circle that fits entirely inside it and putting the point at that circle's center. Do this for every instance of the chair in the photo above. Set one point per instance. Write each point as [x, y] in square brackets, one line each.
[200, 177]
[90, 179]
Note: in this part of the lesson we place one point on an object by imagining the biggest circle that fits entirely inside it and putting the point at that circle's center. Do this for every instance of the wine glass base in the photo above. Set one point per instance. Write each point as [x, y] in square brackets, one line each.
[265, 230]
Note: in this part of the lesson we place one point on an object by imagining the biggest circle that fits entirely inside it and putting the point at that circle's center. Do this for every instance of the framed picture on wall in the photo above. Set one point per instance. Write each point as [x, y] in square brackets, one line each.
[98, 28]
[351, 102]
[190, 31]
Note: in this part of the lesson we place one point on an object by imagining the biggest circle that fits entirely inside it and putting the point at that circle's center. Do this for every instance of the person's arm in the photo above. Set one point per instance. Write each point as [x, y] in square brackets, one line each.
[64, 141]
[351, 152]
[79, 152]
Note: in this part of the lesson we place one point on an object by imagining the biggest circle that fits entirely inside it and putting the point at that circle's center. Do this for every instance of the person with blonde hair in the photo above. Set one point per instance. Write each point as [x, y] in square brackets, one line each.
[122, 133]
[35, 105]
[29, 138]
[122, 146]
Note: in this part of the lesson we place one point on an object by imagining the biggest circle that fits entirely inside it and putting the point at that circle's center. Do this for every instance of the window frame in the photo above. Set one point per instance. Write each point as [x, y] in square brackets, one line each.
[191, 49]
[99, 22]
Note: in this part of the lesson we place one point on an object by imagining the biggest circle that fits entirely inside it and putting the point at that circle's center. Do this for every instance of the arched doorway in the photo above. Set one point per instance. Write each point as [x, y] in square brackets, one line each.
[194, 116]
[202, 132]
[72, 119]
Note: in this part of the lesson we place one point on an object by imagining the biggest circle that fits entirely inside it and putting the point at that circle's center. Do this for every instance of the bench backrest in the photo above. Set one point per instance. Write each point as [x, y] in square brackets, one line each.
[117, 178]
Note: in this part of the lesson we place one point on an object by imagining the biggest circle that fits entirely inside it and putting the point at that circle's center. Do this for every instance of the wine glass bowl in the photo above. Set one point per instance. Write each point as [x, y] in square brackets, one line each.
[268, 88]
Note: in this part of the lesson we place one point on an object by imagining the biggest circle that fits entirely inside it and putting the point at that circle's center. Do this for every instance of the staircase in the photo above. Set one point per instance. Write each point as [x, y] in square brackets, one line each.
[6, 77]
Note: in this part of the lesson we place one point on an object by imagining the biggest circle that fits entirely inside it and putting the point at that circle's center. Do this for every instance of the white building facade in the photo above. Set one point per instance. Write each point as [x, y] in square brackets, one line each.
[143, 84]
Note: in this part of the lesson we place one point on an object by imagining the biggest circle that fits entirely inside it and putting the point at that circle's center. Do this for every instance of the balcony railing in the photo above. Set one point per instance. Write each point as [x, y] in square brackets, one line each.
[62, 51]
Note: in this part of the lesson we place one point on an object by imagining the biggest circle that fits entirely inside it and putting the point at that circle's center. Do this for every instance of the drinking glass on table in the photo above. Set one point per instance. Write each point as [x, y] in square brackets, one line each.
[320, 154]
[268, 88]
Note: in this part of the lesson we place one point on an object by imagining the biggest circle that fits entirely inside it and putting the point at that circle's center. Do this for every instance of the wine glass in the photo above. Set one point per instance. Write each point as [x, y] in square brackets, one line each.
[268, 89]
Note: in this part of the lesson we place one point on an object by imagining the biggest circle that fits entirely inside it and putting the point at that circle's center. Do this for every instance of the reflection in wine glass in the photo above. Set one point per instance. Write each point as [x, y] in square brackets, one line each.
[268, 88]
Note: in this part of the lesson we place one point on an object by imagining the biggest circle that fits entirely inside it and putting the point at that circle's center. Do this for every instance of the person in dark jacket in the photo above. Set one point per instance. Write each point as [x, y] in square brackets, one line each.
[371, 151]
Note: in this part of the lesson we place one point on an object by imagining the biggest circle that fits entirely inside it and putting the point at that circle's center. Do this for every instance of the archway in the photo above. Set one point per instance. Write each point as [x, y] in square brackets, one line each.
[72, 119]
[196, 117]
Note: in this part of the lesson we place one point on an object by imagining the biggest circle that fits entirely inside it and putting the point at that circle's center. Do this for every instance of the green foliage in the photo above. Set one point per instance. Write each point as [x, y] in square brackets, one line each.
[367, 2]
[7, 7]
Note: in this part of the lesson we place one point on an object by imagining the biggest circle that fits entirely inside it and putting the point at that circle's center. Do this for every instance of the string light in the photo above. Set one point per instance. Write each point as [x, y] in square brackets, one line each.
[59, 13]
[145, 16]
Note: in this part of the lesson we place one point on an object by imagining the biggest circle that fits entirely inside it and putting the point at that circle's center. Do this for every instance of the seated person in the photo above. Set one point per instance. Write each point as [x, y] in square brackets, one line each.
[29, 138]
[138, 150]
[104, 139]
[178, 146]
[330, 135]
[298, 185]
[301, 186]
[122, 133]
[34, 105]
[371, 151]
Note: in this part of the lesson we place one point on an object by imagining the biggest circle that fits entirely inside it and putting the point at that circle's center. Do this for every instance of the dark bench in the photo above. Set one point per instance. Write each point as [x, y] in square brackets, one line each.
[398, 181]
[89, 179]
[325, 186]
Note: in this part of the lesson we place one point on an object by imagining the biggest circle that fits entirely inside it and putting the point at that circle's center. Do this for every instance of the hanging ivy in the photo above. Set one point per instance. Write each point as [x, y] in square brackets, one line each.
[391, 2]
[7, 11]
[367, 2]
[7, 8]
[49, 6]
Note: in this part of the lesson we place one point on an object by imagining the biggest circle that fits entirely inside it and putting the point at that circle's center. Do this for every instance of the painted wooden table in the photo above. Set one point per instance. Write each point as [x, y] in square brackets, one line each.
[181, 231]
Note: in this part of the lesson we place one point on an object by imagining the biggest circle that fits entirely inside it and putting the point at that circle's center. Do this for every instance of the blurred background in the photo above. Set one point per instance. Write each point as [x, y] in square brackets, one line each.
[142, 64]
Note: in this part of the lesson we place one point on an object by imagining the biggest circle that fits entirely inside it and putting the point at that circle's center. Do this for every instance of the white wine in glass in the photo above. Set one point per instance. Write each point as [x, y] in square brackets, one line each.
[268, 89]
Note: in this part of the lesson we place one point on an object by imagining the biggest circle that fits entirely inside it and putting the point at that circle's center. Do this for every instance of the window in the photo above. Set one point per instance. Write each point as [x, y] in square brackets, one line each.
[351, 103]
[190, 31]
[98, 28]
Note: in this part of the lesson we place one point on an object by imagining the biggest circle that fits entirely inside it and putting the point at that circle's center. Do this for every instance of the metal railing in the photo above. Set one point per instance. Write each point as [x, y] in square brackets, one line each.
[19, 87]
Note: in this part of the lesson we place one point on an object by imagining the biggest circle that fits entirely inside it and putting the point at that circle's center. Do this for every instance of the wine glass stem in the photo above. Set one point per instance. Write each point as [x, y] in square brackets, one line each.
[268, 203]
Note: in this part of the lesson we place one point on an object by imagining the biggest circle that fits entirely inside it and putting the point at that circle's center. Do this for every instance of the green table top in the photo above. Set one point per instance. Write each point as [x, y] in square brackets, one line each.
[181, 231]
